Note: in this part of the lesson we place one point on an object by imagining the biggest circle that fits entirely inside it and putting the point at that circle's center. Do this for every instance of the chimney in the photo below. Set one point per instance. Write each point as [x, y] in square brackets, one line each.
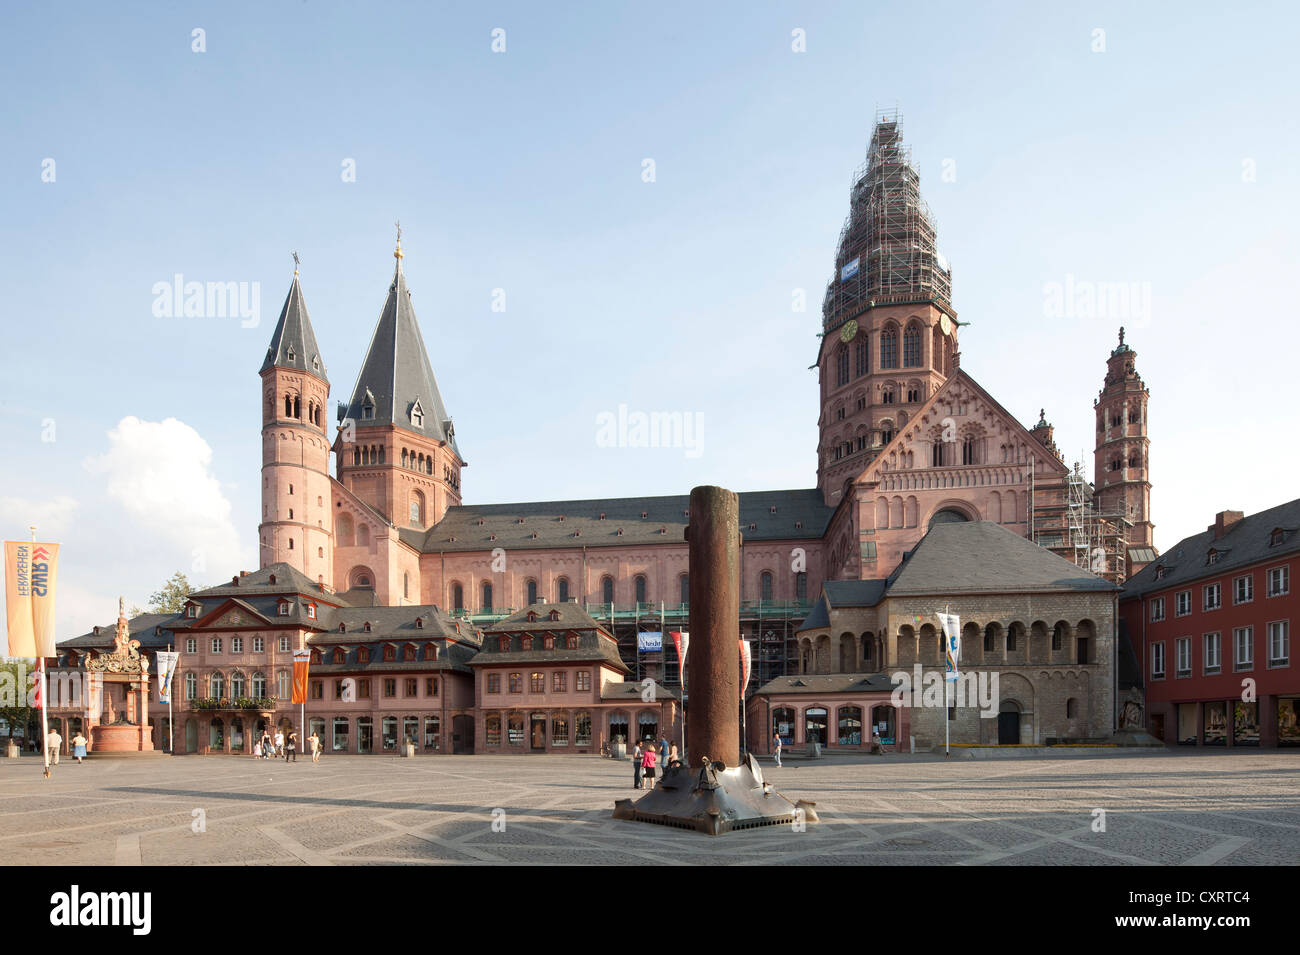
[1224, 520]
[243, 573]
[234, 581]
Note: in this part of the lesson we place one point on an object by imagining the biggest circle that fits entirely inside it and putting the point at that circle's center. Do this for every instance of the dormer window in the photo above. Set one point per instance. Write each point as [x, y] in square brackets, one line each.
[288, 354]
[549, 643]
[772, 509]
[284, 608]
[408, 652]
[363, 655]
[343, 628]
[95, 630]
[1277, 537]
[1160, 573]
[368, 407]
[602, 515]
[561, 518]
[620, 532]
[431, 651]
[1212, 557]
[417, 414]
[311, 611]
[644, 515]
[555, 615]
[315, 657]
[340, 655]
[532, 616]
[315, 362]
[367, 626]
[191, 611]
[419, 623]
[271, 579]
[390, 653]
[571, 641]
[503, 644]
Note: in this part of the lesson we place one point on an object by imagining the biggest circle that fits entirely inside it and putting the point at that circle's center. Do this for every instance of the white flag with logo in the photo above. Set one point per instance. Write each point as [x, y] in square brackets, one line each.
[951, 644]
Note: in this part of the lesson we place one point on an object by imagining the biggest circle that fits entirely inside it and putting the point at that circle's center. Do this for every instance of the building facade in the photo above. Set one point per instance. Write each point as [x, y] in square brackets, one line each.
[1211, 622]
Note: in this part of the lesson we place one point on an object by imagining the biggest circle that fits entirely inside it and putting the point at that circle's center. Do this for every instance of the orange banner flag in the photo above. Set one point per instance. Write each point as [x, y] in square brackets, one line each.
[301, 661]
[30, 571]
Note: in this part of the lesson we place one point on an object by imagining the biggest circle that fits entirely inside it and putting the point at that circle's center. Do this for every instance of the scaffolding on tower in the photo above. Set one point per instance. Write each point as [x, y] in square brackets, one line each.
[887, 252]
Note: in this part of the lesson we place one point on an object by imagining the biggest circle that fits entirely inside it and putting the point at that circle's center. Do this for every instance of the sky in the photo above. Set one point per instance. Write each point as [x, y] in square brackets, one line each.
[608, 205]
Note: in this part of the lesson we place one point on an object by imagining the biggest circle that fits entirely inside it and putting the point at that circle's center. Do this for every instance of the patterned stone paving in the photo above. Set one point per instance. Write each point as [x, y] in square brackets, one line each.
[1160, 809]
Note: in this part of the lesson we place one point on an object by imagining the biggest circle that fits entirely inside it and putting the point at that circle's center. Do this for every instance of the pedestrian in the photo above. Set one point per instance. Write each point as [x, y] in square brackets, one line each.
[266, 745]
[279, 742]
[79, 747]
[673, 758]
[648, 761]
[53, 743]
[257, 750]
[663, 752]
[314, 742]
[776, 747]
[636, 767]
[291, 748]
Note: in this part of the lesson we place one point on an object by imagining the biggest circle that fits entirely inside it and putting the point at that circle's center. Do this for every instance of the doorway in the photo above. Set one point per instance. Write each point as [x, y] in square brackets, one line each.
[537, 733]
[365, 735]
[1158, 726]
[1009, 725]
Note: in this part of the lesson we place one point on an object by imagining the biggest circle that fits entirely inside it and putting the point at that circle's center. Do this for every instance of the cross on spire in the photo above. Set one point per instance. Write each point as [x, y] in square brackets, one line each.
[296, 261]
[398, 254]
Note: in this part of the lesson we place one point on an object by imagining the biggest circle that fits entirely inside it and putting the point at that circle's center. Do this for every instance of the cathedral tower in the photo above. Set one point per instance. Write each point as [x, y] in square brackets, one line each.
[889, 333]
[396, 445]
[296, 523]
[1122, 479]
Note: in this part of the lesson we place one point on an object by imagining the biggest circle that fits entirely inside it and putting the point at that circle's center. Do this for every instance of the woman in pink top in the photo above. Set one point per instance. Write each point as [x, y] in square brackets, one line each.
[648, 766]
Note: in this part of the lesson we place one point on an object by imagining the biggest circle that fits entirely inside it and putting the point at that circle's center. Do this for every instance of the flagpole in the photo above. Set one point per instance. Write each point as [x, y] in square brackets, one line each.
[45, 707]
[946, 722]
[171, 720]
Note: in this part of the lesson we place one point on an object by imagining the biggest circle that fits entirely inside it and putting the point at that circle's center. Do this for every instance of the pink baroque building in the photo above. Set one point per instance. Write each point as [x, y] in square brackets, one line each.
[370, 516]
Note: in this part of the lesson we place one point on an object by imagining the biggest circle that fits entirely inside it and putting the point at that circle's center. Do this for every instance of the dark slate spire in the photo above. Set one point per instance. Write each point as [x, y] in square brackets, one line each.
[396, 379]
[294, 343]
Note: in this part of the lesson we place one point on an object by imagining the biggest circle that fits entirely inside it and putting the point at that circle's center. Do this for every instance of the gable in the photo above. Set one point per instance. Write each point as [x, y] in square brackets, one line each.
[958, 409]
[230, 614]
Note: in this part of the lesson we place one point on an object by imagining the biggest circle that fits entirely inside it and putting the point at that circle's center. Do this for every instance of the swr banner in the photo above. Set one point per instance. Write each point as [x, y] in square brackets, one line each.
[301, 661]
[30, 571]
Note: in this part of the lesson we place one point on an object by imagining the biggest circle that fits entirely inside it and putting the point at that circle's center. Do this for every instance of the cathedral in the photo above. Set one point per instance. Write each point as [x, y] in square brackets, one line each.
[363, 517]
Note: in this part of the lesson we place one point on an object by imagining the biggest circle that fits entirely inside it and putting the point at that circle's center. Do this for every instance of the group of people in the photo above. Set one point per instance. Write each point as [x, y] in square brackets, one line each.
[285, 746]
[646, 756]
[54, 743]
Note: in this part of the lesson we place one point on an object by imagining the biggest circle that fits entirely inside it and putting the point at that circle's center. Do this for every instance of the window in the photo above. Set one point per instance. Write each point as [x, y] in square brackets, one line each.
[457, 597]
[191, 686]
[559, 730]
[237, 645]
[640, 589]
[537, 682]
[284, 605]
[560, 682]
[259, 644]
[236, 684]
[1157, 609]
[284, 644]
[1213, 653]
[390, 687]
[571, 641]
[430, 686]
[582, 729]
[433, 732]
[532, 592]
[340, 735]
[1279, 581]
[487, 596]
[311, 611]
[969, 450]
[765, 586]
[1182, 603]
[412, 686]
[390, 654]
[191, 645]
[912, 347]
[889, 348]
[492, 730]
[281, 683]
[583, 682]
[842, 367]
[192, 611]
[218, 684]
[1157, 661]
[1212, 596]
[861, 360]
[317, 689]
[216, 644]
[562, 586]
[494, 683]
[1243, 639]
[338, 689]
[1243, 589]
[1183, 647]
[1279, 643]
[516, 683]
[801, 586]
[363, 689]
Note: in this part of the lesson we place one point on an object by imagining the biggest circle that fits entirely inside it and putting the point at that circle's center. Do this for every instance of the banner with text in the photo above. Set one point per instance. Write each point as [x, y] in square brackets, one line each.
[30, 571]
[301, 661]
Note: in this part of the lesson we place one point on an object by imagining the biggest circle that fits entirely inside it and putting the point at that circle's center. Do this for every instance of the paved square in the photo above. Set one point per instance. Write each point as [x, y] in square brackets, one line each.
[1160, 809]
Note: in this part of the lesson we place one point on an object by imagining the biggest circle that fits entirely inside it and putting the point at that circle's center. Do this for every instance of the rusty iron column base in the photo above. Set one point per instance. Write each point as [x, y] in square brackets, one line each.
[715, 800]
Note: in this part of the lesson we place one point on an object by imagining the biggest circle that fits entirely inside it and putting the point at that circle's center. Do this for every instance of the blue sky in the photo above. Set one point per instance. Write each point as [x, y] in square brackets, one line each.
[1167, 160]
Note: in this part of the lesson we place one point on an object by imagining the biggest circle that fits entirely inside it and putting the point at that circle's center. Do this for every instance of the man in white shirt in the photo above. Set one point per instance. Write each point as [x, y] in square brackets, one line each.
[279, 743]
[53, 743]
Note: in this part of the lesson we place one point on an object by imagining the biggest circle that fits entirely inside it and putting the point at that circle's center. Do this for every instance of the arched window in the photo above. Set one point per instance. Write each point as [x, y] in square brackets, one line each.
[297, 407]
[417, 508]
[487, 596]
[765, 585]
[406, 459]
[861, 360]
[936, 453]
[889, 348]
[363, 535]
[640, 589]
[607, 590]
[562, 590]
[457, 597]
[532, 592]
[801, 586]
[970, 450]
[406, 585]
[259, 685]
[237, 684]
[217, 684]
[191, 686]
[842, 366]
[937, 351]
[912, 346]
[685, 586]
[288, 406]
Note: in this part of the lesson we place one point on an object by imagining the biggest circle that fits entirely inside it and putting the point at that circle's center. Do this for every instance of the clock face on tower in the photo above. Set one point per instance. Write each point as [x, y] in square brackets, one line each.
[849, 330]
[945, 324]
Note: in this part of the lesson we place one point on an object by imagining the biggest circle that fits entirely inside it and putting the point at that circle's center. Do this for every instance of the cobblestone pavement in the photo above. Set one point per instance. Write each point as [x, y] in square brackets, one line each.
[1182, 808]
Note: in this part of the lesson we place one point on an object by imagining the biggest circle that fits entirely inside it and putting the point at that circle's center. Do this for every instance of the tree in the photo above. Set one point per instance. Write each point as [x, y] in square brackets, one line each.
[172, 597]
[15, 684]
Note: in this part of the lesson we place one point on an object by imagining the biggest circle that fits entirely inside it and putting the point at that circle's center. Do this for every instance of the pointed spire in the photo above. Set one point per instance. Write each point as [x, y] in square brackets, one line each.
[397, 385]
[293, 344]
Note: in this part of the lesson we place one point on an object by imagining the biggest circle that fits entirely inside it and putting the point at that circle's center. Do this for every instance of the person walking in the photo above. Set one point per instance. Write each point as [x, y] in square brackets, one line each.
[79, 747]
[648, 764]
[776, 747]
[266, 745]
[314, 742]
[663, 753]
[673, 758]
[279, 742]
[53, 743]
[291, 748]
[636, 766]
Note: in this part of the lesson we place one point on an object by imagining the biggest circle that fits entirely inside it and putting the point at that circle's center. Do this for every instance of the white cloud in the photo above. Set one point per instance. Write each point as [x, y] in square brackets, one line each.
[160, 473]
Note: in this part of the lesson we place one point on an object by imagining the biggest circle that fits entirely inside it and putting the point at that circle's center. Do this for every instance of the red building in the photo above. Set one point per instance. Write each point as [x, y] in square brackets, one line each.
[1211, 622]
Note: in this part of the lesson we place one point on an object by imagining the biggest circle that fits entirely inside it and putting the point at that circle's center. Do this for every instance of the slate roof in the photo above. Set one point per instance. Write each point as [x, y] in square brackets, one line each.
[828, 683]
[984, 557]
[452, 656]
[396, 373]
[854, 593]
[578, 523]
[143, 628]
[294, 335]
[1244, 543]
[593, 645]
[632, 691]
[571, 617]
[817, 620]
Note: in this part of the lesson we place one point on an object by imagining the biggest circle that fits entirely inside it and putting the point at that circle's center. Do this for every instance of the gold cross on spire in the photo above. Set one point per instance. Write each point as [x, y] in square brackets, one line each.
[398, 253]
